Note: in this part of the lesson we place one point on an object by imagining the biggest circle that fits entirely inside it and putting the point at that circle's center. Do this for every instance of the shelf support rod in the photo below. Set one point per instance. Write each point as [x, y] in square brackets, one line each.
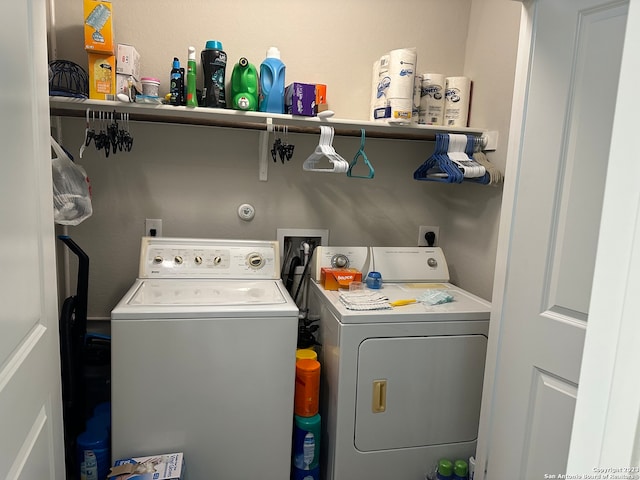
[263, 146]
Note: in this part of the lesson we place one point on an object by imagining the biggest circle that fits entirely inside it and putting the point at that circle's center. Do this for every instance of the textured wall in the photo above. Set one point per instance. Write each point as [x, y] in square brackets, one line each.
[194, 178]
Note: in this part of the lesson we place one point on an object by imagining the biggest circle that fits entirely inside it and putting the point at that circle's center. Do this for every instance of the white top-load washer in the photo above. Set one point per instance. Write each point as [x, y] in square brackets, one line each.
[203, 358]
[401, 387]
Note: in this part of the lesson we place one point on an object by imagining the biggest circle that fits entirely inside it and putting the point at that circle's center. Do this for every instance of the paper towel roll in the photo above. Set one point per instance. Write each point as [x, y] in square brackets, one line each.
[402, 71]
[380, 86]
[374, 88]
[456, 104]
[417, 89]
[432, 90]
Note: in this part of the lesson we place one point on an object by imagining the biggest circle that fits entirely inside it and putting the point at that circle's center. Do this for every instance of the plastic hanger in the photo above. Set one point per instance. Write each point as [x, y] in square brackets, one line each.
[438, 167]
[362, 154]
[493, 176]
[460, 152]
[325, 150]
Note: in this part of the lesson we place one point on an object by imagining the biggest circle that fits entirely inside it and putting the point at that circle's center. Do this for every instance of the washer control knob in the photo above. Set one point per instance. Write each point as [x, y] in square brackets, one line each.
[198, 260]
[339, 261]
[157, 259]
[178, 259]
[255, 260]
[432, 262]
[217, 260]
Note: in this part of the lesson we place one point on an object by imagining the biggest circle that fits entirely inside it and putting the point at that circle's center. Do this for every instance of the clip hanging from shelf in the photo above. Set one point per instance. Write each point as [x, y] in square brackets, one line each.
[112, 136]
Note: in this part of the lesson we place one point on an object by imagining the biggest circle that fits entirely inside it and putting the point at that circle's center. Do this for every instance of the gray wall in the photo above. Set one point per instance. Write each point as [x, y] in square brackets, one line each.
[194, 178]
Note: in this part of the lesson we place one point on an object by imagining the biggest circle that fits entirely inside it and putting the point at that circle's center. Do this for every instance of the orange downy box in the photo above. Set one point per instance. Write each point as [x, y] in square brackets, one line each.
[337, 278]
[98, 26]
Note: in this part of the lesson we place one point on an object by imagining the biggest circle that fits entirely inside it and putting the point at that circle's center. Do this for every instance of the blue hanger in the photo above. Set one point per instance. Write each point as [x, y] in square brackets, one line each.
[360, 153]
[438, 167]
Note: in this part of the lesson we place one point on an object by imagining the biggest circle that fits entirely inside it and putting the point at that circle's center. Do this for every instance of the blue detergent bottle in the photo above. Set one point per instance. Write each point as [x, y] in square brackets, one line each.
[272, 72]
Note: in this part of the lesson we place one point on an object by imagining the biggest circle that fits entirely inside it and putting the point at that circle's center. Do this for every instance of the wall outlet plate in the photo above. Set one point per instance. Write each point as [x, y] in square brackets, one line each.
[153, 227]
[422, 231]
[292, 238]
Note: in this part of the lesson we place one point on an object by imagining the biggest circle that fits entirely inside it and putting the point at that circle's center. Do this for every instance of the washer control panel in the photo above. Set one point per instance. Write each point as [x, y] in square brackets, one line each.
[163, 257]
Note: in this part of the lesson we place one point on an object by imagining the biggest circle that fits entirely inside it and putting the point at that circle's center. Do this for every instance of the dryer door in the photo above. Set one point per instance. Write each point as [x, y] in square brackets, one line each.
[418, 391]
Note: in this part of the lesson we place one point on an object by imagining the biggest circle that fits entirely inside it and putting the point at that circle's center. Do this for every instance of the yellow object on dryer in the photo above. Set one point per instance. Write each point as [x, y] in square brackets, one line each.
[400, 303]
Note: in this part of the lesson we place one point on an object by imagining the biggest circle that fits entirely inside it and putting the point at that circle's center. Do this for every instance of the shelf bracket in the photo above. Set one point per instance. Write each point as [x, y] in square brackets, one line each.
[489, 140]
[263, 161]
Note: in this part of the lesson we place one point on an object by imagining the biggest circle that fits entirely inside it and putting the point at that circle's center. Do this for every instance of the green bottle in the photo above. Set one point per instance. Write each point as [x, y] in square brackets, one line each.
[244, 86]
[192, 100]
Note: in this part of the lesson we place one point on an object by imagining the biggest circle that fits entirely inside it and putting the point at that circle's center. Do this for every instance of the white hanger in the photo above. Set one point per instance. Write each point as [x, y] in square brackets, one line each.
[325, 149]
[457, 154]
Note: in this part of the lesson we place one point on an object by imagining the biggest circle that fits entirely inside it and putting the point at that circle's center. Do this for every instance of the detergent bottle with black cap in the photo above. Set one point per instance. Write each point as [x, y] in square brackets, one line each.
[214, 65]
[244, 86]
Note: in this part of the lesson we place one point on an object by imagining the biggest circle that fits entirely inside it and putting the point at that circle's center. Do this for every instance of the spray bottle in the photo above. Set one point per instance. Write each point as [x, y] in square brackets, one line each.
[192, 100]
[176, 88]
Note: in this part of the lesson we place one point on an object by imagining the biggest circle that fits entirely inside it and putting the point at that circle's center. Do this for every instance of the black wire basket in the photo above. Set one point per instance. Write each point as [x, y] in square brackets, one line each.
[68, 79]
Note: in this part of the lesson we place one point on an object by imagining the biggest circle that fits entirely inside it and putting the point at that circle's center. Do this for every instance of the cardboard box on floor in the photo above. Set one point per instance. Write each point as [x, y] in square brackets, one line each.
[169, 466]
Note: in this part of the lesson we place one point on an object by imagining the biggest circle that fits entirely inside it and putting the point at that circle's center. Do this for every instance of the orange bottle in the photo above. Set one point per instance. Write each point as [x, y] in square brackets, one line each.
[307, 392]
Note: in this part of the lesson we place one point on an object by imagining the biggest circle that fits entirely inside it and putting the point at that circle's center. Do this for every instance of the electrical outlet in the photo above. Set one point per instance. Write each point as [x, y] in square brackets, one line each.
[422, 232]
[153, 227]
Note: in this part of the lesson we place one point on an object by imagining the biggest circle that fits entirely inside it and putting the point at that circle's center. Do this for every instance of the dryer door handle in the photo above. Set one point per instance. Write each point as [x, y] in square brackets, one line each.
[379, 400]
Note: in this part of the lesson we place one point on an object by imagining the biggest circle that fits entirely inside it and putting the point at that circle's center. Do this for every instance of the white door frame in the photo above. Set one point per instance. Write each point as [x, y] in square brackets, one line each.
[606, 423]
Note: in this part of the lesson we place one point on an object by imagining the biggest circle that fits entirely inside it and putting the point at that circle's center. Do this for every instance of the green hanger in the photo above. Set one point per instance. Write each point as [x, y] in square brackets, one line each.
[361, 153]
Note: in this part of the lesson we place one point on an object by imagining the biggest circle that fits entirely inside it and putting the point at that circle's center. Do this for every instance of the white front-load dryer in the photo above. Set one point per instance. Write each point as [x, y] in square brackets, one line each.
[203, 359]
[401, 388]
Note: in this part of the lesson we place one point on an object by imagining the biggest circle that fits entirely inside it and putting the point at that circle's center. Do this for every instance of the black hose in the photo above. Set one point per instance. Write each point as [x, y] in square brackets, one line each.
[295, 263]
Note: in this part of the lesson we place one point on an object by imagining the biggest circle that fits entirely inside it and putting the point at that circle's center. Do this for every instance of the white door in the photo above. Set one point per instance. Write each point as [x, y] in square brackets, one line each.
[31, 441]
[560, 136]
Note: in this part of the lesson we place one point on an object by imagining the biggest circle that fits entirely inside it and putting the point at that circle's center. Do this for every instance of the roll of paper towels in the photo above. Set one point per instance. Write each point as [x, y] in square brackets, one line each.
[432, 90]
[374, 88]
[402, 72]
[417, 89]
[380, 86]
[456, 101]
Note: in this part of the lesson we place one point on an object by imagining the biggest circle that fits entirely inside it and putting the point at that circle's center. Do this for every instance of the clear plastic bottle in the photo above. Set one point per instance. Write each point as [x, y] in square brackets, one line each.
[272, 72]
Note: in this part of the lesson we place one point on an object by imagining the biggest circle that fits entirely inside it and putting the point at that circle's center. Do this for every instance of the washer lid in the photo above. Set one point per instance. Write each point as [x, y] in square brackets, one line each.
[201, 292]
